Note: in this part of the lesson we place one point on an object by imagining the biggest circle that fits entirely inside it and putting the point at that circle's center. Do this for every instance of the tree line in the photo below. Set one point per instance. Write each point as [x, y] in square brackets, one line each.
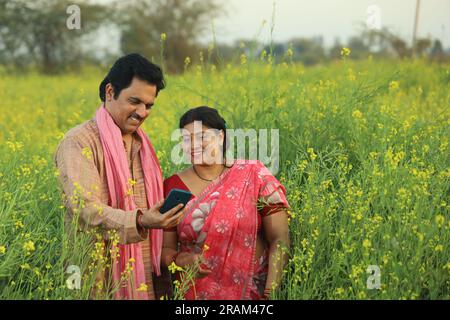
[34, 34]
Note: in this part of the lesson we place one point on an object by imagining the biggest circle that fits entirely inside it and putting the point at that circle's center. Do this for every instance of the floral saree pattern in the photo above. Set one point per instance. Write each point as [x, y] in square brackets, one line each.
[225, 218]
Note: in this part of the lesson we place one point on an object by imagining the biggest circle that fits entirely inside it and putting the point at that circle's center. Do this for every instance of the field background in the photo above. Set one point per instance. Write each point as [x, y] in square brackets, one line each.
[364, 158]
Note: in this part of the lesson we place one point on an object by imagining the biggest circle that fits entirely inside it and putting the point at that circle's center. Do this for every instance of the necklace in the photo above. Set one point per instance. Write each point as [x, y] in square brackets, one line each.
[193, 168]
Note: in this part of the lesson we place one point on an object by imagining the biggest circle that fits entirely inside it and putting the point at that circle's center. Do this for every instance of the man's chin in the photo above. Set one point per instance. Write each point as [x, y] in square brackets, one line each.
[129, 129]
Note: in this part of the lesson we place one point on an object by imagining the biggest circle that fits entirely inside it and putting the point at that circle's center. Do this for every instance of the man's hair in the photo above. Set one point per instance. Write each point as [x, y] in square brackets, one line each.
[128, 67]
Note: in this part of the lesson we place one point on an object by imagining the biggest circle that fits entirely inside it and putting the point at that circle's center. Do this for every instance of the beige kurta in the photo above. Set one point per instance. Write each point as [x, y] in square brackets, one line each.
[79, 159]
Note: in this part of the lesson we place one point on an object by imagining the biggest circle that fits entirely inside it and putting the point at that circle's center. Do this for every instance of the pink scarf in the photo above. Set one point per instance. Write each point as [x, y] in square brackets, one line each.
[118, 175]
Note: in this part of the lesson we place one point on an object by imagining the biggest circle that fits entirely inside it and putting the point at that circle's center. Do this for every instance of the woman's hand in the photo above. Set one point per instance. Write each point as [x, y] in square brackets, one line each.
[186, 258]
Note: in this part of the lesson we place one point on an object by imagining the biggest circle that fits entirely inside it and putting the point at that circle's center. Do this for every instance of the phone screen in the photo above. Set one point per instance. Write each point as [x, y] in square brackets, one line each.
[175, 197]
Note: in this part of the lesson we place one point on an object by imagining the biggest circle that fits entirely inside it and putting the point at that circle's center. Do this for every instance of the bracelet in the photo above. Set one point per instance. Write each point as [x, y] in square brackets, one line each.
[175, 256]
[139, 219]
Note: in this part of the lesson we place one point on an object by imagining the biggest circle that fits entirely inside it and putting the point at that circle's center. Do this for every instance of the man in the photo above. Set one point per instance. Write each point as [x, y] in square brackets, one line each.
[112, 180]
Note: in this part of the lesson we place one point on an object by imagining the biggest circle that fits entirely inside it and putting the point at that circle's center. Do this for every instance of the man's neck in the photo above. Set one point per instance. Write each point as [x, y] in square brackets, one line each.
[127, 139]
[127, 136]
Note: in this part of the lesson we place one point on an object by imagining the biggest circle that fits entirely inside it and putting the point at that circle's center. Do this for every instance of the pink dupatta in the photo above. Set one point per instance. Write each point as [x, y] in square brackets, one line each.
[118, 175]
[225, 218]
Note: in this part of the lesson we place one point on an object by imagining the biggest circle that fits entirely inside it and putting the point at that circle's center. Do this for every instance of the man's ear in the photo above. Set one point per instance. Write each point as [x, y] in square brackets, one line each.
[109, 92]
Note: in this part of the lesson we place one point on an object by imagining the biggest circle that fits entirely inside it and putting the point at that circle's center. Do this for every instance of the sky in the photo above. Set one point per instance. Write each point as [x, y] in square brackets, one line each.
[329, 19]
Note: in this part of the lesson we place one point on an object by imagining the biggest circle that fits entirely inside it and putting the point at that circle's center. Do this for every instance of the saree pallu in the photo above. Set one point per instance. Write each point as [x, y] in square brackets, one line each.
[224, 217]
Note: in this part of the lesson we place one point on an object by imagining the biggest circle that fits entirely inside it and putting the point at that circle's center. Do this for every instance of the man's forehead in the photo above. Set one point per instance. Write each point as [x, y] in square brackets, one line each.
[141, 89]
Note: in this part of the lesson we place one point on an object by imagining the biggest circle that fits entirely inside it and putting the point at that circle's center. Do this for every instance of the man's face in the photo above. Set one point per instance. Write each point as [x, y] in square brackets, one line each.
[132, 106]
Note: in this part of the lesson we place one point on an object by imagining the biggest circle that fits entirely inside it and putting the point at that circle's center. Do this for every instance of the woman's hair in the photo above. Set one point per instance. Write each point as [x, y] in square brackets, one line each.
[209, 117]
[128, 67]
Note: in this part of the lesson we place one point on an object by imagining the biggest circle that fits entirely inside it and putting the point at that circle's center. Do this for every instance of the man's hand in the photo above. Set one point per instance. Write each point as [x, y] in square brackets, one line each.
[153, 219]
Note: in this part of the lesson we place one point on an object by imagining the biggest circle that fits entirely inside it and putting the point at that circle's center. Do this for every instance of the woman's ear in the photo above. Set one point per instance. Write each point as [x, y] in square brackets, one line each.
[222, 137]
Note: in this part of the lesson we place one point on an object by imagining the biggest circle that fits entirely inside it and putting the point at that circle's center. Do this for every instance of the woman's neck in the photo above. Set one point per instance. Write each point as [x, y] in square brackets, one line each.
[208, 172]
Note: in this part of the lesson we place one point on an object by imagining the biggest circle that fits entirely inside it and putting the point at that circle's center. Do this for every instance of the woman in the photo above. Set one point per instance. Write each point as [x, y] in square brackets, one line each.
[238, 212]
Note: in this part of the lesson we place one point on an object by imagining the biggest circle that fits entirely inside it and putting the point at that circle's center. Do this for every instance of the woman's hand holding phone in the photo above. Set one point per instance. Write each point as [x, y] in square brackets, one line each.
[153, 219]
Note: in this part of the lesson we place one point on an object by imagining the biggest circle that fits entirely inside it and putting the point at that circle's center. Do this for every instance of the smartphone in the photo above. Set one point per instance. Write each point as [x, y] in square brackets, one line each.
[175, 197]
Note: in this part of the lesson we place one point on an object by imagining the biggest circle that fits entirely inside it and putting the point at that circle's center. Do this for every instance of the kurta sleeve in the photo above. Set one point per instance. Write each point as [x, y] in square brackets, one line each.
[80, 181]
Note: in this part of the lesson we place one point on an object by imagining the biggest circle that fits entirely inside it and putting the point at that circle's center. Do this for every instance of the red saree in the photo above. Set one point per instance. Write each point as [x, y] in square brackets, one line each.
[225, 218]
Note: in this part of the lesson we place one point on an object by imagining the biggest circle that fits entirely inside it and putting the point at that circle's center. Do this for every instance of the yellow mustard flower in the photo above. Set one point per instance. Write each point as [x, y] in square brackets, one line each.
[143, 287]
[174, 268]
[28, 246]
[345, 52]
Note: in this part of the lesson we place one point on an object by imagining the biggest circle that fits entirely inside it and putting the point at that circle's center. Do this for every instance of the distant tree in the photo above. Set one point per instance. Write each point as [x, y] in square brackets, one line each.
[422, 45]
[387, 40]
[277, 49]
[226, 52]
[182, 21]
[35, 33]
[359, 46]
[335, 50]
[400, 46]
[308, 50]
[437, 51]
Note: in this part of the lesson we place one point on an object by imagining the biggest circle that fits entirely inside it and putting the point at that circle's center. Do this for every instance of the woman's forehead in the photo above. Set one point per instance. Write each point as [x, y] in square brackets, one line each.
[190, 131]
[196, 126]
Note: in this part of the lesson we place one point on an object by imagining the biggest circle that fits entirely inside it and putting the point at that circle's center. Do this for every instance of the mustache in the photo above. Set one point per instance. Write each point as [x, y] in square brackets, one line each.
[135, 115]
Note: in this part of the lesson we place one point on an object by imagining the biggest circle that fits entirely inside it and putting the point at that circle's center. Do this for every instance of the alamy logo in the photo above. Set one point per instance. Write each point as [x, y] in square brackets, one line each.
[74, 281]
[374, 280]
[73, 22]
[373, 20]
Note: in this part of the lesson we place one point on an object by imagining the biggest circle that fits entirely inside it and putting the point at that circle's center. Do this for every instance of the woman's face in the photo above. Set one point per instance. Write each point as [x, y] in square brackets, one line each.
[202, 145]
